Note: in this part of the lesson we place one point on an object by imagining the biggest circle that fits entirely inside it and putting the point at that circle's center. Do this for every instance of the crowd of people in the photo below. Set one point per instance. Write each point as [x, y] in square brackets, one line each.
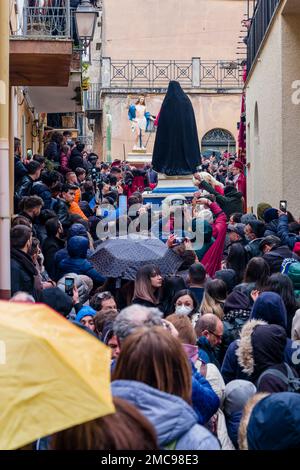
[207, 358]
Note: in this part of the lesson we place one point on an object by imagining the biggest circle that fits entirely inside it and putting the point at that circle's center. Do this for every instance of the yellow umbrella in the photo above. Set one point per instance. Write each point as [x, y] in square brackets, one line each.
[53, 375]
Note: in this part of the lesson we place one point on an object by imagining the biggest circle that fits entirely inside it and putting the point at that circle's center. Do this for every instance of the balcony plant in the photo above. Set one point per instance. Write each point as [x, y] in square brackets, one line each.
[85, 81]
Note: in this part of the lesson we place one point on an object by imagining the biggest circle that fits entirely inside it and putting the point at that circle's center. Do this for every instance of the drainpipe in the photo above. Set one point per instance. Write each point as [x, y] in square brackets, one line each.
[108, 134]
[4, 152]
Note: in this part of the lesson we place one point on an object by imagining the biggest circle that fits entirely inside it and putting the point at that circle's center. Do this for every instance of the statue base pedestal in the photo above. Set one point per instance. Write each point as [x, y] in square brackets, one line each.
[169, 186]
[139, 157]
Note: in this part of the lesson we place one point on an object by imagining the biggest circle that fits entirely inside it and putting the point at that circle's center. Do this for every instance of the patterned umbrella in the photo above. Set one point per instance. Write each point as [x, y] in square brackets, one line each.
[122, 258]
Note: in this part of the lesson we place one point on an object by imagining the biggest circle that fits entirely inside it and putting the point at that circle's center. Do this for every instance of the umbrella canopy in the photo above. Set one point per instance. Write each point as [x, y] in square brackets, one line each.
[122, 258]
[52, 374]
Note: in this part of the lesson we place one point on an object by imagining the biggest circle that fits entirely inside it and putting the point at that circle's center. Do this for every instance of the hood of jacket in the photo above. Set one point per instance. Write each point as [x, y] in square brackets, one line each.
[261, 347]
[294, 275]
[78, 247]
[271, 228]
[169, 414]
[270, 308]
[275, 423]
[229, 276]
[237, 393]
[237, 300]
[281, 252]
[58, 300]
[77, 230]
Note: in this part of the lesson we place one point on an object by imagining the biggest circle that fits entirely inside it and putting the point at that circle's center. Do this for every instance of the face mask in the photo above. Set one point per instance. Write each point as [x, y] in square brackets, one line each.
[183, 310]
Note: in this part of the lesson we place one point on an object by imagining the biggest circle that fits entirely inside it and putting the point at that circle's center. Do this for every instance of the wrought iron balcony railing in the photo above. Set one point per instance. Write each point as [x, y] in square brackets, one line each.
[46, 22]
[262, 17]
[153, 74]
[91, 98]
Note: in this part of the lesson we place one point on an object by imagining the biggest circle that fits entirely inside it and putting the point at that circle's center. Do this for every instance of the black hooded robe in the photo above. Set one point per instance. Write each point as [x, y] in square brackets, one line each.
[176, 149]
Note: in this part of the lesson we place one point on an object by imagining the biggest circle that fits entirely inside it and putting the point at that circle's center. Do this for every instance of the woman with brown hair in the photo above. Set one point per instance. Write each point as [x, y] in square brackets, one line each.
[153, 373]
[126, 429]
[147, 286]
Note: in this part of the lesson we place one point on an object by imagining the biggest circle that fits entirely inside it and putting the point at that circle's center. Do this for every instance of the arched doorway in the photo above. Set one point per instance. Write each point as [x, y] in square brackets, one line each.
[217, 140]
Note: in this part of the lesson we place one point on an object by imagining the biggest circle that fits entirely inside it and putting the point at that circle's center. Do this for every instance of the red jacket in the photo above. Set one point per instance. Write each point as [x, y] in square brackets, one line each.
[241, 185]
[64, 162]
[213, 257]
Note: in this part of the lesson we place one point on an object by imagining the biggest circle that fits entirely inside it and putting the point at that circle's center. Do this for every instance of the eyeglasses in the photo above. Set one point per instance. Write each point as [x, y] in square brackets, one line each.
[219, 337]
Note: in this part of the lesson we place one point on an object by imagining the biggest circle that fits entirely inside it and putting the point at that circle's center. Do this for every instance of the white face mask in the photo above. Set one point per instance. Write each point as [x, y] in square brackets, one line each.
[183, 310]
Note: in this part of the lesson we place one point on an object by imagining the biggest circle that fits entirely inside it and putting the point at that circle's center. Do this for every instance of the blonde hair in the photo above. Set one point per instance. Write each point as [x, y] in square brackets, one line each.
[210, 305]
[211, 179]
[242, 435]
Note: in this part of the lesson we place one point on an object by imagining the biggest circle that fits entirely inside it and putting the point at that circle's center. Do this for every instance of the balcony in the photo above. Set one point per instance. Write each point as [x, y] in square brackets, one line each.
[217, 76]
[92, 100]
[41, 45]
[262, 17]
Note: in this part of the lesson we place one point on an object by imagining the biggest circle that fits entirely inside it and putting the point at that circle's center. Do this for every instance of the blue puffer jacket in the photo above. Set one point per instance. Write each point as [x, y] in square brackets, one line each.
[76, 230]
[173, 419]
[286, 238]
[76, 261]
[205, 401]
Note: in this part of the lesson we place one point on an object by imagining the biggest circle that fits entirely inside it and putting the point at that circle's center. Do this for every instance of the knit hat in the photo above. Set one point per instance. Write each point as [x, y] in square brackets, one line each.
[237, 393]
[270, 214]
[238, 228]
[246, 218]
[261, 208]
[86, 311]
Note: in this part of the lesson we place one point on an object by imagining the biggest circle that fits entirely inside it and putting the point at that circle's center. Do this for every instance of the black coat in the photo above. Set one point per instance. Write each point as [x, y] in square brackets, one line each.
[62, 210]
[23, 189]
[176, 149]
[22, 273]
[50, 247]
[76, 160]
[276, 256]
[52, 151]
[231, 203]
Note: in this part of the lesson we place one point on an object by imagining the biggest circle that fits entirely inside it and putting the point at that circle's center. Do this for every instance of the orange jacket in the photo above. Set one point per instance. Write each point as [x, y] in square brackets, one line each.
[75, 209]
[77, 195]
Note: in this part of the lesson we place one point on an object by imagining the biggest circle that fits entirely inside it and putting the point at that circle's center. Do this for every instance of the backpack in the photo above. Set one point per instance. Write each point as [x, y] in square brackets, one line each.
[290, 379]
[286, 263]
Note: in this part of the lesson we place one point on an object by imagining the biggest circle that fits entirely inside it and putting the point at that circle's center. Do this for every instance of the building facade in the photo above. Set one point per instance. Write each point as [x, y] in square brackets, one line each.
[273, 104]
[145, 44]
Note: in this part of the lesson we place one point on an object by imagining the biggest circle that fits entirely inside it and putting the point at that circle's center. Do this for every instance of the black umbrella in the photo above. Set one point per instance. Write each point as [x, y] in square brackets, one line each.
[122, 258]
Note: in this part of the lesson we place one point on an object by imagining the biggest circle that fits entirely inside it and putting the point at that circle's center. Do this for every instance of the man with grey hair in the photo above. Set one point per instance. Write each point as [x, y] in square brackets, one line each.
[22, 297]
[209, 330]
[136, 316]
